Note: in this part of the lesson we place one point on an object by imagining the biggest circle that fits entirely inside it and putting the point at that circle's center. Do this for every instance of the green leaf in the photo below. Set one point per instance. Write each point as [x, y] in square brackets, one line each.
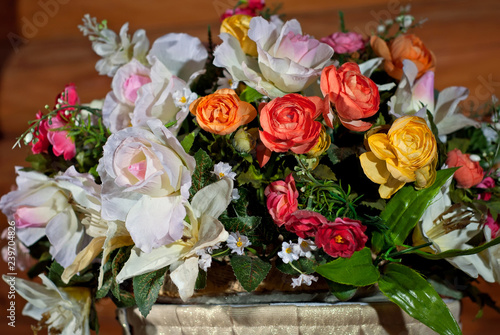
[121, 257]
[250, 95]
[146, 289]
[405, 209]
[303, 264]
[417, 297]
[107, 280]
[55, 273]
[357, 270]
[250, 271]
[341, 291]
[201, 280]
[203, 171]
[188, 140]
[243, 224]
[251, 176]
[458, 252]
[324, 172]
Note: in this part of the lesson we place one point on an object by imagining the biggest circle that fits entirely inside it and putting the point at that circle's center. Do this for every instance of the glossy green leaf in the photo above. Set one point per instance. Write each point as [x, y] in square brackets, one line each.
[146, 289]
[357, 270]
[188, 140]
[306, 265]
[417, 297]
[405, 209]
[341, 291]
[250, 95]
[250, 271]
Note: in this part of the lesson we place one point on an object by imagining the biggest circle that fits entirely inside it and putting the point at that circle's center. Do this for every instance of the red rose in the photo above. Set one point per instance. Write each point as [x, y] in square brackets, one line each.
[305, 223]
[288, 123]
[282, 199]
[470, 173]
[355, 96]
[342, 237]
[68, 97]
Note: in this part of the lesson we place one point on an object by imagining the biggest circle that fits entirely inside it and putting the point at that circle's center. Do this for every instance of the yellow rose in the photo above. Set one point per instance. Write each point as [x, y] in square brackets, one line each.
[238, 25]
[407, 153]
[323, 144]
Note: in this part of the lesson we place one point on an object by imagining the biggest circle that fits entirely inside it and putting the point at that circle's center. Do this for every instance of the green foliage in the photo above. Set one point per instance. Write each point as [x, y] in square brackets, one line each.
[250, 95]
[146, 289]
[250, 271]
[458, 252]
[305, 265]
[415, 296]
[202, 173]
[252, 176]
[341, 291]
[83, 279]
[358, 270]
[188, 140]
[324, 172]
[405, 209]
[201, 280]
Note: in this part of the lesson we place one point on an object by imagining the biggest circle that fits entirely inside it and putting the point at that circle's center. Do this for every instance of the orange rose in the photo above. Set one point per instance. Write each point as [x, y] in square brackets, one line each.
[403, 47]
[355, 96]
[222, 112]
[288, 123]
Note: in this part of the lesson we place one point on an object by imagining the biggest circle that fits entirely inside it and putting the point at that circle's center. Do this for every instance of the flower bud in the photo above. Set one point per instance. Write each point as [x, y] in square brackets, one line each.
[245, 140]
[323, 144]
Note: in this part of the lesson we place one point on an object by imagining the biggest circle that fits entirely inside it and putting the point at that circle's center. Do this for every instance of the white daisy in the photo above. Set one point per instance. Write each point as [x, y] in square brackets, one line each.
[289, 253]
[222, 170]
[237, 243]
[306, 247]
[183, 98]
[227, 81]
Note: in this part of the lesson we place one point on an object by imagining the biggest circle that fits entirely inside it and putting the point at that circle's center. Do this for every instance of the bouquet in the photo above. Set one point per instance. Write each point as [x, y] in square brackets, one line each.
[334, 161]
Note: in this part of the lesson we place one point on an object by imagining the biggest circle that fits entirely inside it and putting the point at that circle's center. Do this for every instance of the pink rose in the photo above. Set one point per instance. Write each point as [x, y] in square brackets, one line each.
[282, 199]
[305, 223]
[487, 182]
[342, 237]
[470, 172]
[344, 42]
[62, 144]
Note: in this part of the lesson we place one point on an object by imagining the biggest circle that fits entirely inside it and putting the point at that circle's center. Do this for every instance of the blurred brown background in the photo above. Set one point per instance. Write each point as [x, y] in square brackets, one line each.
[41, 50]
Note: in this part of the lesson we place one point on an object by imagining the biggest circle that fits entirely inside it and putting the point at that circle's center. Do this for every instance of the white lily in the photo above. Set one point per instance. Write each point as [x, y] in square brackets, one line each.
[203, 230]
[449, 227]
[62, 311]
[413, 95]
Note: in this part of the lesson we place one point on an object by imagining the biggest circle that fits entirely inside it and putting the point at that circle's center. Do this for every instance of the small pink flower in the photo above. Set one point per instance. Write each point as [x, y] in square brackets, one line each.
[342, 237]
[493, 225]
[252, 7]
[282, 199]
[305, 223]
[68, 97]
[487, 182]
[344, 42]
[62, 144]
[40, 142]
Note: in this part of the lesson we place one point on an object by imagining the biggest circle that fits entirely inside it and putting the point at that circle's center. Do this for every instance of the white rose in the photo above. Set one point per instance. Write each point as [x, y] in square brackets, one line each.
[146, 176]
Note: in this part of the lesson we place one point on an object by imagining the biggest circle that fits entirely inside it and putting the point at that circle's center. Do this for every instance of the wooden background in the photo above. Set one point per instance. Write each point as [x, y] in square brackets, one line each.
[41, 50]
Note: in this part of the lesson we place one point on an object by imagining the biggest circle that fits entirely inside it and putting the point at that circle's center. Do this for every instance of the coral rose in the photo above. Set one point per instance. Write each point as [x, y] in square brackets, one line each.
[305, 223]
[288, 123]
[470, 172]
[403, 47]
[407, 153]
[238, 26]
[354, 96]
[222, 112]
[342, 237]
[282, 199]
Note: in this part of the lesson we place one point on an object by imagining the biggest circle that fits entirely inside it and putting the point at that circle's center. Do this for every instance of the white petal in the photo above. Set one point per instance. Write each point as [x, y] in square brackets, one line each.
[140, 263]
[213, 199]
[448, 100]
[184, 277]
[370, 65]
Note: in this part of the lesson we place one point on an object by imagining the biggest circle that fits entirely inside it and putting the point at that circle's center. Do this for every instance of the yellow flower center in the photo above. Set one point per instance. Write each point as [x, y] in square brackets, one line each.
[239, 243]
[230, 82]
[338, 239]
[183, 100]
[221, 174]
[288, 250]
[304, 244]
